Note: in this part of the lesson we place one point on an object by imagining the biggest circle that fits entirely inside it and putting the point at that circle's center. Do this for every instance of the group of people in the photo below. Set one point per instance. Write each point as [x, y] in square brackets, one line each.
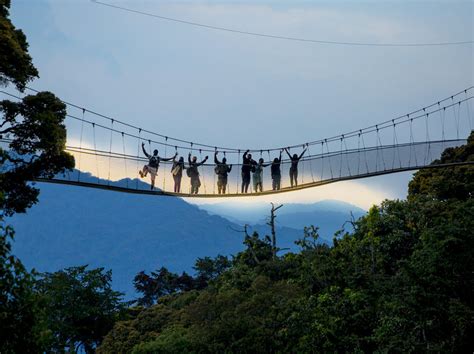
[250, 166]
[251, 170]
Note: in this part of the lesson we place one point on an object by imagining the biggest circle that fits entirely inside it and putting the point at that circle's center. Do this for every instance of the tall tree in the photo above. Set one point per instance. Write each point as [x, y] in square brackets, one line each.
[37, 141]
[36, 136]
[80, 307]
[15, 62]
[20, 318]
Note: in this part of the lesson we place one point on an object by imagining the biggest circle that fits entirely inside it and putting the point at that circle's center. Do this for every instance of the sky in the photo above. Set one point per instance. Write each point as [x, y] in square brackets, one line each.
[235, 90]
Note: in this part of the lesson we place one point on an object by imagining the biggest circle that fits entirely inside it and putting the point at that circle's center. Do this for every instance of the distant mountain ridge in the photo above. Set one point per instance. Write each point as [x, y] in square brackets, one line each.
[127, 233]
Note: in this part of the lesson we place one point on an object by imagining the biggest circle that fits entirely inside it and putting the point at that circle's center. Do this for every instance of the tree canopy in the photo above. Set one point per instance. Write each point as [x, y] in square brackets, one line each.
[34, 126]
[401, 281]
[15, 62]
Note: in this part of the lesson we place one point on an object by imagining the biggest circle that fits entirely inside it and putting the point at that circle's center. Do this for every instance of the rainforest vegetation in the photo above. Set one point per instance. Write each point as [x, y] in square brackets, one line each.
[401, 279]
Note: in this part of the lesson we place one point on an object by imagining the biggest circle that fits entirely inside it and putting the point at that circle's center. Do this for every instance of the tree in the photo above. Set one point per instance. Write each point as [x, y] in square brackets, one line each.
[37, 136]
[15, 62]
[20, 318]
[80, 307]
[38, 140]
[451, 182]
[34, 125]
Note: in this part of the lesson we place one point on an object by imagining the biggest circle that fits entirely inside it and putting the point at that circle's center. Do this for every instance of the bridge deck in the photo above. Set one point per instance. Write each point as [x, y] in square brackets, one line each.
[158, 192]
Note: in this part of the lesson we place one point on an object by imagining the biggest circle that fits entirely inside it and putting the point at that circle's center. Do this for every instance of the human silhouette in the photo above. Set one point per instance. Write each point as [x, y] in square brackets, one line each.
[247, 166]
[153, 165]
[177, 172]
[193, 173]
[294, 166]
[221, 170]
[276, 173]
[257, 176]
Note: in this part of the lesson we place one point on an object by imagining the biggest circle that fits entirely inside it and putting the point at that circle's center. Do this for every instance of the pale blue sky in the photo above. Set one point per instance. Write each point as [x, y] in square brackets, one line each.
[235, 90]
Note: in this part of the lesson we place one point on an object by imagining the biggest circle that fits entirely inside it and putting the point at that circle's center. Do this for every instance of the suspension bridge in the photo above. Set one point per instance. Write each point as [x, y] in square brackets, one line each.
[109, 153]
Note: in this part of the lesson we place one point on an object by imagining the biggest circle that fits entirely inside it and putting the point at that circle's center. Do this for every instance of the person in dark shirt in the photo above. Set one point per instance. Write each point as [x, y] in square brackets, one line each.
[221, 170]
[276, 173]
[294, 166]
[177, 172]
[153, 165]
[193, 173]
[247, 165]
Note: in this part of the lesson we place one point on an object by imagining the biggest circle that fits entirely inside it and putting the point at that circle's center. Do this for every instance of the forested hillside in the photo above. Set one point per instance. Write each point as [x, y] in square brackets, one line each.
[402, 281]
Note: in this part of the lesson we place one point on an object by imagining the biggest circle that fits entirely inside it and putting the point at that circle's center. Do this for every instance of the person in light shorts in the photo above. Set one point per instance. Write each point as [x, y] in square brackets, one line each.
[153, 165]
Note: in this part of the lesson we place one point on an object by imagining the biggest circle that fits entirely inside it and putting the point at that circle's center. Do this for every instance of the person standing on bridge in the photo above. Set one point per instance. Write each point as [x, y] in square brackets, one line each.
[276, 173]
[177, 172]
[193, 173]
[221, 170]
[294, 167]
[153, 165]
[247, 166]
[257, 176]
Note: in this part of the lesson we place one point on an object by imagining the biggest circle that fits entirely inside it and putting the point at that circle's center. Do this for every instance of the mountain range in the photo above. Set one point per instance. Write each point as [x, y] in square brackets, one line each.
[129, 233]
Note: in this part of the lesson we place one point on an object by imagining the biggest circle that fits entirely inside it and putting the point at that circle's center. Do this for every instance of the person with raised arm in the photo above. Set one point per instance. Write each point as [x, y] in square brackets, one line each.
[177, 172]
[247, 165]
[257, 175]
[221, 170]
[153, 165]
[294, 166]
[193, 173]
[276, 173]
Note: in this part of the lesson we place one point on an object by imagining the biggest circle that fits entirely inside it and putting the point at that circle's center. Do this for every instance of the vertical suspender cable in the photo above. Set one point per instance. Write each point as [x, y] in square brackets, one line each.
[302, 175]
[80, 146]
[428, 148]
[214, 177]
[468, 104]
[322, 160]
[340, 156]
[110, 148]
[329, 158]
[138, 155]
[382, 150]
[397, 144]
[347, 157]
[190, 166]
[163, 169]
[227, 187]
[204, 177]
[441, 119]
[365, 151]
[95, 152]
[456, 118]
[125, 159]
[237, 184]
[310, 162]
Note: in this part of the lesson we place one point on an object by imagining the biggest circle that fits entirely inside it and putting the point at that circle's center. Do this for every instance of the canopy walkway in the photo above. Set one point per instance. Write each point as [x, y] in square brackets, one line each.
[109, 152]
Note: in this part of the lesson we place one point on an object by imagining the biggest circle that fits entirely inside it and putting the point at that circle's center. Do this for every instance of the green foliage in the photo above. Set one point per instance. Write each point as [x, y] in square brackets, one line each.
[80, 307]
[38, 135]
[444, 183]
[20, 321]
[402, 281]
[15, 62]
[163, 282]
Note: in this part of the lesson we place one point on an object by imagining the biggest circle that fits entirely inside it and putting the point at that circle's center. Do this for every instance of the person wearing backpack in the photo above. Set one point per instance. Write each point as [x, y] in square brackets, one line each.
[193, 173]
[177, 172]
[257, 175]
[294, 167]
[221, 170]
[276, 173]
[153, 165]
[247, 166]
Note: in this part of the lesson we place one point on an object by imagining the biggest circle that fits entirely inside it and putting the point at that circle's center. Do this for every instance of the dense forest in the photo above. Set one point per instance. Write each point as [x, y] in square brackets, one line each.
[401, 280]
